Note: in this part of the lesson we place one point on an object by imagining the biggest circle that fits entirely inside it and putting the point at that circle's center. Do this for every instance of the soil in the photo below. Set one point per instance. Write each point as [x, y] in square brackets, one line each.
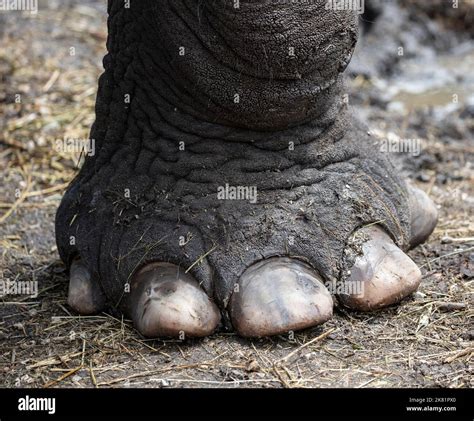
[423, 107]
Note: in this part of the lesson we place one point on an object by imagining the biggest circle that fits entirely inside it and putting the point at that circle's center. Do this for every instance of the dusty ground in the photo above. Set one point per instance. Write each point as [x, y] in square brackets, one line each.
[52, 61]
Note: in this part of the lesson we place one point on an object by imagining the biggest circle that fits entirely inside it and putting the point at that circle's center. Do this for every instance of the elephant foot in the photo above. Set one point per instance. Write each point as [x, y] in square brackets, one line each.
[174, 255]
[233, 181]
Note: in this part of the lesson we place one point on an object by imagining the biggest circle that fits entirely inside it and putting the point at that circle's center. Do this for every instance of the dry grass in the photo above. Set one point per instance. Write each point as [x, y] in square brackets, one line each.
[426, 341]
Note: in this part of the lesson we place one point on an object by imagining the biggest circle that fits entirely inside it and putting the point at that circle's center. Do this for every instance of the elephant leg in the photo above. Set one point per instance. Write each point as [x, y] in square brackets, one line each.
[229, 176]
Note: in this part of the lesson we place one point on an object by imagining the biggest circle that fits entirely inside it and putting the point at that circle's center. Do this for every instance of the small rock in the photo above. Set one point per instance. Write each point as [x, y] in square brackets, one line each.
[396, 107]
[252, 366]
[441, 179]
[469, 335]
[41, 141]
[446, 240]
[467, 266]
[51, 127]
[423, 177]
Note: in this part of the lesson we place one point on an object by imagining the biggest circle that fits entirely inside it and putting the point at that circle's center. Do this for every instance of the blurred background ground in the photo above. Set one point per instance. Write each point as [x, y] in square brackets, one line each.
[49, 65]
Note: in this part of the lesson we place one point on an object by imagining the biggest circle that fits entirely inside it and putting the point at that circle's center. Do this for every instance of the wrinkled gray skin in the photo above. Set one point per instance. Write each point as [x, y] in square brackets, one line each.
[250, 97]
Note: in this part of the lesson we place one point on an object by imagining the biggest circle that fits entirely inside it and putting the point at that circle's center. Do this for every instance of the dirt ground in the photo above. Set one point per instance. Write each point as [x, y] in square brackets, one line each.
[49, 64]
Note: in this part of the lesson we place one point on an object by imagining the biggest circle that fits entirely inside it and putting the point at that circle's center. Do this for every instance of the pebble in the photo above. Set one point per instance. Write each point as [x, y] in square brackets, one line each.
[310, 355]
[423, 177]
